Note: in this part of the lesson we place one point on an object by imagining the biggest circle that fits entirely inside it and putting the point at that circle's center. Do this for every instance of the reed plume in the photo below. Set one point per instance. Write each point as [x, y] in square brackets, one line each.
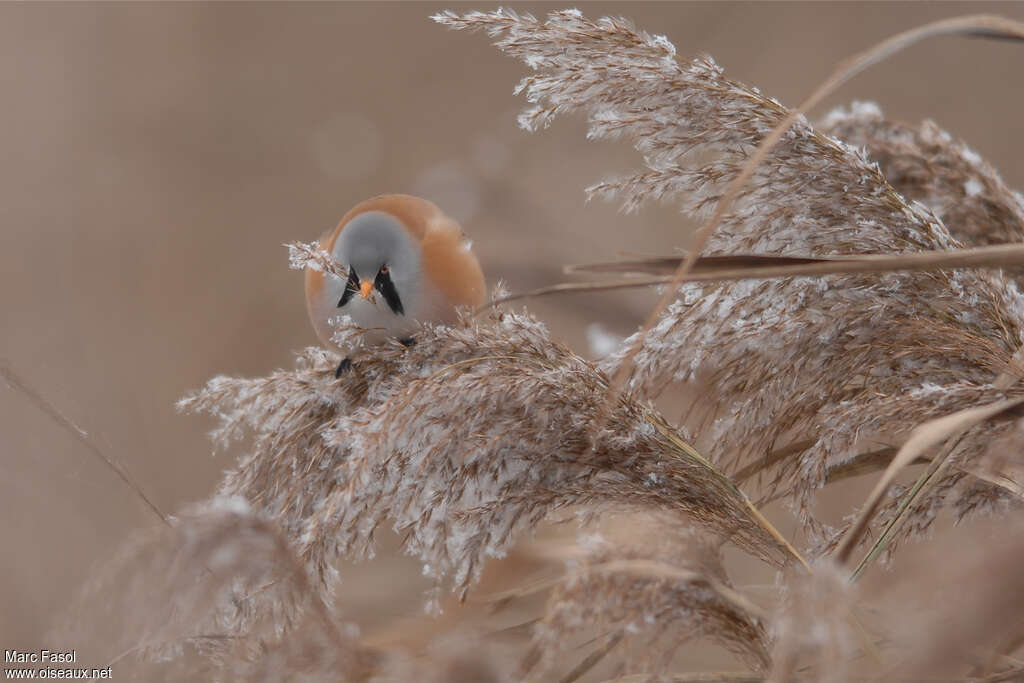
[649, 590]
[462, 442]
[926, 164]
[805, 374]
[470, 439]
[217, 594]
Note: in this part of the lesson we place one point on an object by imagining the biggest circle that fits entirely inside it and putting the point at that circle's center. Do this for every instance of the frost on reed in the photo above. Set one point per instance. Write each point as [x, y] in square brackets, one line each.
[926, 164]
[471, 436]
[483, 429]
[805, 373]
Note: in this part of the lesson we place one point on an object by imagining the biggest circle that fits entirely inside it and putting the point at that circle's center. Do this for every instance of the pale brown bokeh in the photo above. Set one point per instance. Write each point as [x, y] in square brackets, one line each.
[156, 156]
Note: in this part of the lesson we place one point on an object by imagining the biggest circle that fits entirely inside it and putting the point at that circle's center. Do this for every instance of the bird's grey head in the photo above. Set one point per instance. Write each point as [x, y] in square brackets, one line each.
[377, 249]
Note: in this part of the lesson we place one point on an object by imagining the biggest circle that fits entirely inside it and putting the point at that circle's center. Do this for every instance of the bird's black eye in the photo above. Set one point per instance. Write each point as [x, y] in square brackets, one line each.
[351, 287]
[386, 287]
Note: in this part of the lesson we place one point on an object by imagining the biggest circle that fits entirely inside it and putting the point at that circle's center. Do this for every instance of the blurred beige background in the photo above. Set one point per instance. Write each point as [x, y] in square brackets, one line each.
[156, 156]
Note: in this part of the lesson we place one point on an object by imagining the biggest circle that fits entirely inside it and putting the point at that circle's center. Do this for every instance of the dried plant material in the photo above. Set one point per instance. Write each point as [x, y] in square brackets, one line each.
[667, 265]
[758, 266]
[219, 592]
[826, 358]
[952, 428]
[654, 591]
[302, 256]
[926, 164]
[17, 382]
[462, 442]
[977, 25]
[962, 476]
[474, 435]
[1005, 467]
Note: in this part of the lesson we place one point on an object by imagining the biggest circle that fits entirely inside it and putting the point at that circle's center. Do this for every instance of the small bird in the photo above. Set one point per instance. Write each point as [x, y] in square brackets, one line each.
[407, 262]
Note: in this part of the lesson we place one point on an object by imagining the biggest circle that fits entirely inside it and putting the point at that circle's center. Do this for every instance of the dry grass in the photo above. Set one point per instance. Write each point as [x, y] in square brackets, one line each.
[471, 439]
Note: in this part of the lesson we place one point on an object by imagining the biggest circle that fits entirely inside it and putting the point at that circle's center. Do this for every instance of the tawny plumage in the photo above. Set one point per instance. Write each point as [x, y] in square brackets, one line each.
[407, 262]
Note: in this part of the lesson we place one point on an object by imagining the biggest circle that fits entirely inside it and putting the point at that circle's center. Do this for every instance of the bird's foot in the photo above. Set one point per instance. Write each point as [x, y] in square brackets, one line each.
[343, 367]
[407, 342]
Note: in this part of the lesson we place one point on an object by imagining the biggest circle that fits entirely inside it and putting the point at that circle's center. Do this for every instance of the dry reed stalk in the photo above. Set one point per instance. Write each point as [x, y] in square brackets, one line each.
[17, 382]
[462, 442]
[760, 266]
[830, 360]
[950, 428]
[303, 256]
[481, 430]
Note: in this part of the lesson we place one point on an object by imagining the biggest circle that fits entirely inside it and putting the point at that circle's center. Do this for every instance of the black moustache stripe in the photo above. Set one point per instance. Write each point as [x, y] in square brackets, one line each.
[351, 287]
[387, 290]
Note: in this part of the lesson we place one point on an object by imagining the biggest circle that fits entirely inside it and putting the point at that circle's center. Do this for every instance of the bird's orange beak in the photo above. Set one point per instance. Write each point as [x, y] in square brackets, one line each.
[365, 288]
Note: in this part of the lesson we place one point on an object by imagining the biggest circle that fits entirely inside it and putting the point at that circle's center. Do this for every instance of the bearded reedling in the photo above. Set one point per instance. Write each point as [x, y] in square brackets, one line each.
[407, 262]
